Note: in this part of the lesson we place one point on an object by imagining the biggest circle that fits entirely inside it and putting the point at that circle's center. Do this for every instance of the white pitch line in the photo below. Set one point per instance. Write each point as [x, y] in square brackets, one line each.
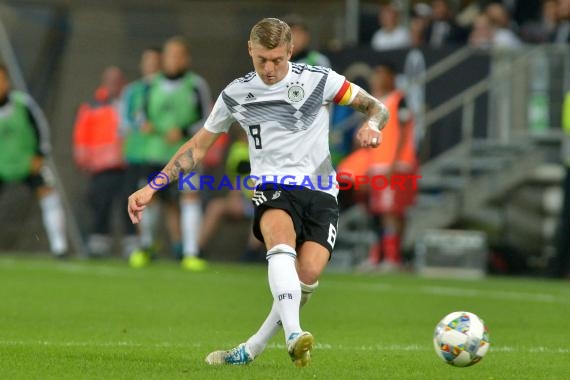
[274, 346]
[497, 294]
[505, 295]
[69, 267]
[117, 344]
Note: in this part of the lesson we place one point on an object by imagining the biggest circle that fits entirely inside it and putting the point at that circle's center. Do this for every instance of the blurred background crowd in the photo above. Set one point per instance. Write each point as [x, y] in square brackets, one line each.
[476, 89]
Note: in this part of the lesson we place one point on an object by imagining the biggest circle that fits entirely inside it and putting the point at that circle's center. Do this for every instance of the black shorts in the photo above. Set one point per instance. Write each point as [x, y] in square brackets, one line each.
[314, 213]
[44, 178]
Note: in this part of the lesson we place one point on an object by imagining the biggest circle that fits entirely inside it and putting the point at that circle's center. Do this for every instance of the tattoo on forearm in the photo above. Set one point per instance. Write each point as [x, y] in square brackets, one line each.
[363, 102]
[372, 107]
[183, 163]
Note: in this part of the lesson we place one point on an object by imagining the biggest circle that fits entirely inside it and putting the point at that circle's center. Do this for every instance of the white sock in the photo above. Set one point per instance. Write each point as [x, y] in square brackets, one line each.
[258, 341]
[285, 286]
[148, 225]
[191, 218]
[54, 222]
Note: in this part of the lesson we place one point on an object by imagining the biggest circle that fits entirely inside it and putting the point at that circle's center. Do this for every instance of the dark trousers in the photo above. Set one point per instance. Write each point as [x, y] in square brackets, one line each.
[107, 191]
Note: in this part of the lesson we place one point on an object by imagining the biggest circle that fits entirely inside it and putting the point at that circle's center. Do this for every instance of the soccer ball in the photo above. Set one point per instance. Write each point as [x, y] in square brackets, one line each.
[461, 339]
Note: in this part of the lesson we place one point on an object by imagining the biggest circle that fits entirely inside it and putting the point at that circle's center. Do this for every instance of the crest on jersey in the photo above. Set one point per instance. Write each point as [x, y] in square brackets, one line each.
[296, 93]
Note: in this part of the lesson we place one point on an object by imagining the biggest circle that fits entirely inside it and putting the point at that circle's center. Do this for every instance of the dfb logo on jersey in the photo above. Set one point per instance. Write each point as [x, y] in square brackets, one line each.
[296, 92]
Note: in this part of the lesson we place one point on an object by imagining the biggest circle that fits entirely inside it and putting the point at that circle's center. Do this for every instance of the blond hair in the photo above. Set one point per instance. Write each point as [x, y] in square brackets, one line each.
[270, 33]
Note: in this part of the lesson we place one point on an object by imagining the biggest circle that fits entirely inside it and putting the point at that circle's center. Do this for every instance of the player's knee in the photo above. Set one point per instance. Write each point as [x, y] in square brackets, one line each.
[309, 276]
[277, 228]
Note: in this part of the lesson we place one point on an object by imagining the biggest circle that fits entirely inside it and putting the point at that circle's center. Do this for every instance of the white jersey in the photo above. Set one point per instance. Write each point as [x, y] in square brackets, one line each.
[287, 124]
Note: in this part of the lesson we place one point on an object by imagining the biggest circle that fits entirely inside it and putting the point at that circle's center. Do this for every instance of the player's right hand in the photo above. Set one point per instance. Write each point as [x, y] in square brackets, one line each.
[137, 203]
[368, 137]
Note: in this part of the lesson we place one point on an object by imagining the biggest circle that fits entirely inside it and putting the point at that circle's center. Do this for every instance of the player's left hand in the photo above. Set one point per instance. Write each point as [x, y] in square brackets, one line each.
[368, 137]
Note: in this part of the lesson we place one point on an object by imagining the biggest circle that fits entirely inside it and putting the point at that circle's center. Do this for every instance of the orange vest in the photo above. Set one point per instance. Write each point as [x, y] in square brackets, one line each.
[97, 143]
[392, 133]
[359, 162]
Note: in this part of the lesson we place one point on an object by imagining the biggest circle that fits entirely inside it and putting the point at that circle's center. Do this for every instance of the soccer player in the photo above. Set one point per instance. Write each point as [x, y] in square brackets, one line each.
[282, 107]
[24, 145]
[177, 104]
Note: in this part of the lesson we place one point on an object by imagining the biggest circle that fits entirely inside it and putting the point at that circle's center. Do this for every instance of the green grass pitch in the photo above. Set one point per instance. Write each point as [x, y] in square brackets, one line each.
[104, 320]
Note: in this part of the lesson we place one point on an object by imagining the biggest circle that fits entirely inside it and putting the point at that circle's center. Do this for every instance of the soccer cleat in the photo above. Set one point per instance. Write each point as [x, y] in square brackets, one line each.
[236, 356]
[299, 346]
[194, 264]
[139, 258]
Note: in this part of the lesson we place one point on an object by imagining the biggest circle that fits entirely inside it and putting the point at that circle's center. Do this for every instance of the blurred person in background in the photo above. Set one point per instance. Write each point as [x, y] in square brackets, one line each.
[132, 121]
[521, 11]
[397, 157]
[392, 34]
[503, 35]
[98, 150]
[442, 29]
[24, 144]
[542, 30]
[562, 33]
[486, 35]
[482, 33]
[302, 53]
[236, 205]
[177, 104]
[419, 21]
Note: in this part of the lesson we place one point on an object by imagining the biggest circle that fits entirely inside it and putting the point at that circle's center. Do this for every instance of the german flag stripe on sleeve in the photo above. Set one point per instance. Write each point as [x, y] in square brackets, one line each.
[344, 95]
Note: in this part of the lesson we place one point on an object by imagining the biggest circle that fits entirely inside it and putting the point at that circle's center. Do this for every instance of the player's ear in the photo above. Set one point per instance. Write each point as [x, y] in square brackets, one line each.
[249, 48]
[290, 51]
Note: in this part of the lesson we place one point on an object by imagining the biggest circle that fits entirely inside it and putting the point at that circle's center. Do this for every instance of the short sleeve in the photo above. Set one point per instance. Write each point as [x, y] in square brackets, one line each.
[220, 118]
[338, 89]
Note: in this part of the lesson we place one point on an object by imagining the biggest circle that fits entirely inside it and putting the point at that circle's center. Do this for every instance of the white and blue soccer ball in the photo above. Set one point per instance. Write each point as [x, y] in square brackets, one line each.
[461, 339]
